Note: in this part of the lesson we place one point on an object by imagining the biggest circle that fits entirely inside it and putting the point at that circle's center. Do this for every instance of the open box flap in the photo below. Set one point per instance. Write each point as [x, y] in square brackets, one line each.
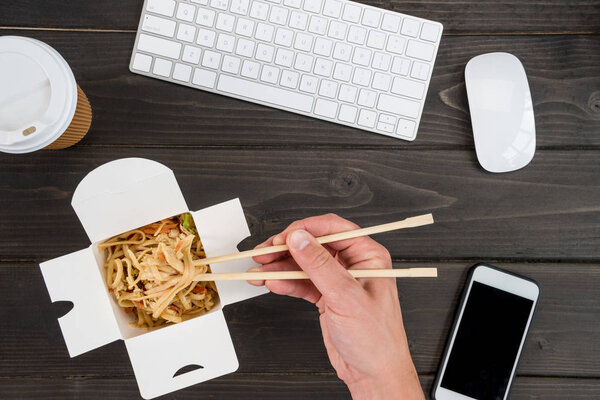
[203, 342]
[126, 193]
[221, 227]
[91, 323]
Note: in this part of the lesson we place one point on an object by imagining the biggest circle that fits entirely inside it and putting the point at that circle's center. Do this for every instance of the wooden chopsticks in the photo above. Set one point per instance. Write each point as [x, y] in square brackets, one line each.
[412, 222]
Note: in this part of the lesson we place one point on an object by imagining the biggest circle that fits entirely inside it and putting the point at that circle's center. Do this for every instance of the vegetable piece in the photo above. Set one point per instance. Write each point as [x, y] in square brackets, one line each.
[187, 223]
[199, 289]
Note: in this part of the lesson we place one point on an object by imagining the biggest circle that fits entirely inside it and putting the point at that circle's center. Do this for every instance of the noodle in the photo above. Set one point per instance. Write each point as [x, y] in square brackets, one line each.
[150, 271]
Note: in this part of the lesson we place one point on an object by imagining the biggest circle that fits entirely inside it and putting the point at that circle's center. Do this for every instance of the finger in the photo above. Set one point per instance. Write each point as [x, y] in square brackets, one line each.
[329, 276]
[301, 288]
[268, 258]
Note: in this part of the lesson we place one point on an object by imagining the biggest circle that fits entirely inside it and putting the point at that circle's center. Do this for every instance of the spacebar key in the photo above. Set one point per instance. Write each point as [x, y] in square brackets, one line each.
[265, 93]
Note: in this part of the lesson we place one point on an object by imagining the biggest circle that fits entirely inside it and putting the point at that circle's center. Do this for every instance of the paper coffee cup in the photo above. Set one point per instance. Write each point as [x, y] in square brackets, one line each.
[41, 105]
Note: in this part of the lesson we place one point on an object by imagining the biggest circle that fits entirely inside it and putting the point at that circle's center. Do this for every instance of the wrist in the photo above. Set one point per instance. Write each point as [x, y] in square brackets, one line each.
[402, 383]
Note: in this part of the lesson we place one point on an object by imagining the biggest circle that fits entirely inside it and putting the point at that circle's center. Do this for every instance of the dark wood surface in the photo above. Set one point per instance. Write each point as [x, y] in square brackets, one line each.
[542, 221]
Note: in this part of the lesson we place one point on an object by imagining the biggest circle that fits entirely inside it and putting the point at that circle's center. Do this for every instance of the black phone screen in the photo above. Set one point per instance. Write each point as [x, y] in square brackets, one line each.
[487, 342]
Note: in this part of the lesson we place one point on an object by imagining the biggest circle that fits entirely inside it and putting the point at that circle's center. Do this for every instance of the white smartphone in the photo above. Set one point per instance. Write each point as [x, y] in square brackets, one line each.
[487, 337]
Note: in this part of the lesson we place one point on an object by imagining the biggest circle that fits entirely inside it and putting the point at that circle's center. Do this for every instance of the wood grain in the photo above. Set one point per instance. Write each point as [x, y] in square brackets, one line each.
[132, 110]
[563, 340]
[549, 210]
[507, 16]
[276, 387]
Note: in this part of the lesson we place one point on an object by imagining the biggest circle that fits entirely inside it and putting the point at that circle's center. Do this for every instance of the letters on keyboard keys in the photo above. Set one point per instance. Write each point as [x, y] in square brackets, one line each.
[337, 60]
[265, 93]
[159, 46]
[162, 7]
[408, 88]
[160, 26]
[420, 50]
[398, 105]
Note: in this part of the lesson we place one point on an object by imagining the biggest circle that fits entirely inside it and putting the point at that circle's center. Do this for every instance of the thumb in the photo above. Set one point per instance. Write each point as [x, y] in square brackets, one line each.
[326, 273]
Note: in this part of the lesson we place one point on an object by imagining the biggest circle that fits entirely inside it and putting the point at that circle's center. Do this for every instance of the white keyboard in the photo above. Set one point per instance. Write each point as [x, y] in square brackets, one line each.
[335, 60]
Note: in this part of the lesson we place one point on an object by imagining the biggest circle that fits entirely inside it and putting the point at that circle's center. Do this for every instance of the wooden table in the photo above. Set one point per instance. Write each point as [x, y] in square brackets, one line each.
[542, 221]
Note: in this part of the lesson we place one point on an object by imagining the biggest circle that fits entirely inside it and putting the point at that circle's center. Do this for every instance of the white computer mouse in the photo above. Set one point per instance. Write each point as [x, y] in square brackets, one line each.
[501, 111]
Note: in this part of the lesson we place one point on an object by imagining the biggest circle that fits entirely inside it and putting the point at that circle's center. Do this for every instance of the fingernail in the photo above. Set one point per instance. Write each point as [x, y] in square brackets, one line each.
[299, 240]
[277, 240]
[254, 269]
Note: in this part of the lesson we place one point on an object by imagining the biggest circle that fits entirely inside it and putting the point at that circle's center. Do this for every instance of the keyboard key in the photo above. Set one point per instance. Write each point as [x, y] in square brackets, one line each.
[362, 56]
[347, 113]
[309, 84]
[430, 32]
[284, 57]
[328, 88]
[342, 72]
[284, 37]
[211, 59]
[347, 93]
[264, 32]
[376, 40]
[158, 25]
[202, 2]
[292, 3]
[278, 15]
[381, 81]
[388, 119]
[206, 37]
[406, 128]
[337, 30]
[420, 50]
[289, 79]
[367, 118]
[303, 42]
[398, 105]
[400, 66]
[332, 8]
[326, 108]
[225, 42]
[204, 78]
[303, 62]
[206, 17]
[186, 12]
[395, 44]
[342, 51]
[323, 67]
[381, 61]
[390, 23]
[269, 74]
[408, 88]
[239, 7]
[250, 69]
[357, 35]
[162, 7]
[245, 47]
[225, 22]
[158, 46]
[191, 54]
[298, 20]
[162, 67]
[231, 64]
[265, 93]
[371, 18]
[142, 62]
[317, 25]
[219, 4]
[182, 72]
[259, 10]
[420, 71]
[244, 27]
[323, 47]
[264, 52]
[410, 27]
[186, 33]
[367, 98]
[361, 76]
[313, 6]
[351, 13]
[385, 127]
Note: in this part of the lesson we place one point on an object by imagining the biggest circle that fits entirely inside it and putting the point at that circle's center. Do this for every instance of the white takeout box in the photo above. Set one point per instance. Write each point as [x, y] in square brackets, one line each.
[127, 194]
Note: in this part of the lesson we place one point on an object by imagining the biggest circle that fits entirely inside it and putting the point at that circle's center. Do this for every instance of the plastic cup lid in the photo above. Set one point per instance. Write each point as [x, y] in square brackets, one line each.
[38, 94]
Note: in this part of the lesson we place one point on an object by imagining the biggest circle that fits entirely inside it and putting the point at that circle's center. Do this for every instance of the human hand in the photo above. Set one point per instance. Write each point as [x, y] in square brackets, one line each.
[361, 321]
